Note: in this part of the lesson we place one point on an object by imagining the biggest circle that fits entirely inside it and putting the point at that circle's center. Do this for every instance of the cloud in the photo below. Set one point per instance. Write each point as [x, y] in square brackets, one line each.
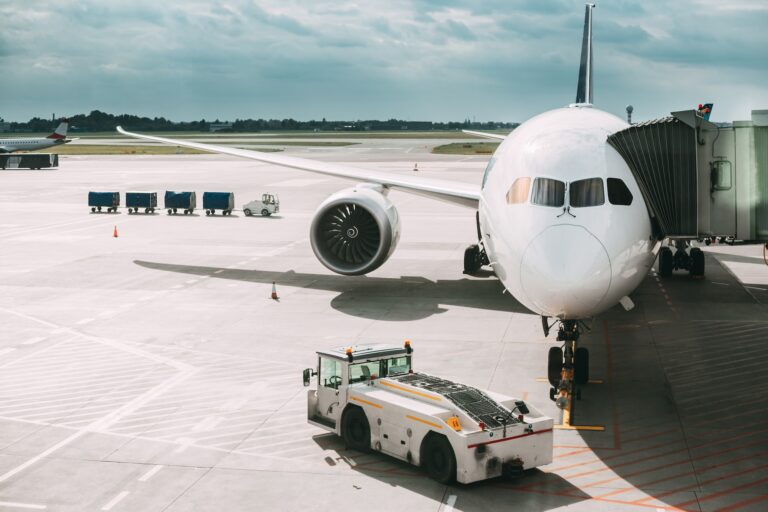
[428, 59]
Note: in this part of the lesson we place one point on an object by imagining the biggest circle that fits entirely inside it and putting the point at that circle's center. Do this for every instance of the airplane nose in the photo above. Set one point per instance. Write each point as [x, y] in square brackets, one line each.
[566, 272]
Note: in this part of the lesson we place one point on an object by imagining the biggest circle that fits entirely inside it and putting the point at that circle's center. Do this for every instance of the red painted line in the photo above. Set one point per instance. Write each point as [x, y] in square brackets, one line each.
[609, 373]
[509, 438]
[740, 504]
[711, 480]
[678, 475]
[723, 493]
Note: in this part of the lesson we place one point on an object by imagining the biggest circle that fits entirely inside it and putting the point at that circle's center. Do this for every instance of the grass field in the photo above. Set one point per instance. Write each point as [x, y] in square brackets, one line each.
[461, 148]
[104, 149]
[448, 134]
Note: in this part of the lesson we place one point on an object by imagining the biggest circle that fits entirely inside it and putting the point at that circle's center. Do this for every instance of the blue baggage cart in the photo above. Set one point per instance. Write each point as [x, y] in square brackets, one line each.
[108, 200]
[145, 200]
[224, 201]
[175, 201]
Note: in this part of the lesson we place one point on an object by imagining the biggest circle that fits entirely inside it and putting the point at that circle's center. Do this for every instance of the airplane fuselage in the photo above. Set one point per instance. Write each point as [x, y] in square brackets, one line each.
[564, 247]
[28, 144]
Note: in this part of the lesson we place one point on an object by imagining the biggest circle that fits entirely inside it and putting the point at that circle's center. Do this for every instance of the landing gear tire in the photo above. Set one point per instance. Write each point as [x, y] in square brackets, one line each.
[355, 429]
[554, 365]
[472, 260]
[666, 262]
[581, 366]
[438, 459]
[697, 262]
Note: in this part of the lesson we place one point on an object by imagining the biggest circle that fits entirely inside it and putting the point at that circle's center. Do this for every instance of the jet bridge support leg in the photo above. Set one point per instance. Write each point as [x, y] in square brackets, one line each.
[568, 371]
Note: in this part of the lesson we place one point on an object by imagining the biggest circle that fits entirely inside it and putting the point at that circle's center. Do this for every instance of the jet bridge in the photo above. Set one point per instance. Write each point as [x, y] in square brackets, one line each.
[700, 179]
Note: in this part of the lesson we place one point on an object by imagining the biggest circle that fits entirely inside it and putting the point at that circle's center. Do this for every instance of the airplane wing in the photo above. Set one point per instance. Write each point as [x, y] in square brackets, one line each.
[463, 194]
[494, 136]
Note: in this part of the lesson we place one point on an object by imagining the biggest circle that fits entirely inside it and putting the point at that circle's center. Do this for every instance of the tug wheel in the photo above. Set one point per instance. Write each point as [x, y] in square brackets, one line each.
[554, 365]
[438, 459]
[355, 429]
[581, 366]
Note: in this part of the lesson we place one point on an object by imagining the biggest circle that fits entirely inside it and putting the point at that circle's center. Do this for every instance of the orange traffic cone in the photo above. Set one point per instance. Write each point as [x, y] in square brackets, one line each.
[114, 234]
[274, 291]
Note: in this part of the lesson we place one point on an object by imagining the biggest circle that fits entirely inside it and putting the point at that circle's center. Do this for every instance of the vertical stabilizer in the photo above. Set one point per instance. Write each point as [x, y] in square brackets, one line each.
[584, 88]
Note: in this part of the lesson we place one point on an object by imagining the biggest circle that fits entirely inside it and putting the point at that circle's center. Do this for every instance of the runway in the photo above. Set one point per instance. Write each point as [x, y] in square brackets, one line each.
[153, 372]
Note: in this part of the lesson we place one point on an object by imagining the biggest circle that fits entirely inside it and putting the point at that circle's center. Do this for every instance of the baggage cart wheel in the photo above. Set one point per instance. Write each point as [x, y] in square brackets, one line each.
[581, 366]
[554, 365]
[174, 210]
[207, 212]
[355, 429]
[146, 210]
[93, 210]
[169, 211]
[99, 208]
[438, 459]
[247, 212]
[265, 213]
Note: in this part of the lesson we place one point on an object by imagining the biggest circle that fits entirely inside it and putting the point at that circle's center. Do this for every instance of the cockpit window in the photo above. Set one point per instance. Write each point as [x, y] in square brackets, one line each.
[585, 193]
[488, 169]
[618, 193]
[518, 192]
[548, 192]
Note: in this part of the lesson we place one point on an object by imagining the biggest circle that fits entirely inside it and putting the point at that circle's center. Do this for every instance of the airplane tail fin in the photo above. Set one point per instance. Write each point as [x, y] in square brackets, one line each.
[584, 87]
[61, 131]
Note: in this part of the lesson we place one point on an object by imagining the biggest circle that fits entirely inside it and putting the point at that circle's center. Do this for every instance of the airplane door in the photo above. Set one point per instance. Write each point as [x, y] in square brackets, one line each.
[331, 391]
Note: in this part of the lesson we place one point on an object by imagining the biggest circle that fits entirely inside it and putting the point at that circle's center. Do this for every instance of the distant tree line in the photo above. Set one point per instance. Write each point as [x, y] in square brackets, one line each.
[98, 121]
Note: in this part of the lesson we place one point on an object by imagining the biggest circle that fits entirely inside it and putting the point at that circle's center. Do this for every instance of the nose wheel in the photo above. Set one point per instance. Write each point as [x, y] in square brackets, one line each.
[474, 258]
[568, 373]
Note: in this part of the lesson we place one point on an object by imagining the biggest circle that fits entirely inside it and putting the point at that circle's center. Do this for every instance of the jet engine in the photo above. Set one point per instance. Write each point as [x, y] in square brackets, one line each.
[355, 230]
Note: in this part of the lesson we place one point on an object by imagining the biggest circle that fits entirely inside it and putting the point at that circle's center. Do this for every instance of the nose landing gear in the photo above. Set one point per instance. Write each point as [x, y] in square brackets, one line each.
[568, 372]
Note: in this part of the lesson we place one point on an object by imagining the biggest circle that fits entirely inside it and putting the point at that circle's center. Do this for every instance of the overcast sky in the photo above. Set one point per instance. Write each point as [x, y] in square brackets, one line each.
[502, 60]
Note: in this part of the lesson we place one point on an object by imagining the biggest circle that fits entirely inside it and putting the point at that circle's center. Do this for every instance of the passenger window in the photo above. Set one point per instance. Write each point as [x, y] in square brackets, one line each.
[330, 373]
[618, 193]
[548, 192]
[488, 169]
[518, 192]
[585, 193]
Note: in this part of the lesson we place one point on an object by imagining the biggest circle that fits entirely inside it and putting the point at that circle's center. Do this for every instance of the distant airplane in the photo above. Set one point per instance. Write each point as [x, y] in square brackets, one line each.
[59, 136]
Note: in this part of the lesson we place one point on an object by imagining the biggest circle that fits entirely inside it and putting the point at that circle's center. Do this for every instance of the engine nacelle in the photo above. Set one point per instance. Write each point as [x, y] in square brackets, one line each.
[355, 230]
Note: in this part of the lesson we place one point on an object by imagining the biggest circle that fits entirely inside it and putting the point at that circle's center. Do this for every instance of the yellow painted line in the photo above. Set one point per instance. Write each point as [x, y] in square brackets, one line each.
[401, 388]
[414, 418]
[593, 428]
[366, 402]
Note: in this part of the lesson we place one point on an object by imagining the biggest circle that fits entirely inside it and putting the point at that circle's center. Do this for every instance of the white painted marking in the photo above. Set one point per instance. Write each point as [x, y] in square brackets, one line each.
[176, 287]
[152, 472]
[296, 182]
[191, 281]
[207, 423]
[449, 503]
[85, 321]
[106, 312]
[349, 461]
[14, 504]
[219, 271]
[32, 341]
[184, 443]
[6, 351]
[244, 262]
[114, 501]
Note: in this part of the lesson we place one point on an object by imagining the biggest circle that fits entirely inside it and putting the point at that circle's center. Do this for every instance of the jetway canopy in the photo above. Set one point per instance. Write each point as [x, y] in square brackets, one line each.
[699, 179]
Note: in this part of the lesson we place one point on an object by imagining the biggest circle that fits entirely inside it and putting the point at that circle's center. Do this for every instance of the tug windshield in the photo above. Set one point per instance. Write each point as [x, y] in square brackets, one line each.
[363, 371]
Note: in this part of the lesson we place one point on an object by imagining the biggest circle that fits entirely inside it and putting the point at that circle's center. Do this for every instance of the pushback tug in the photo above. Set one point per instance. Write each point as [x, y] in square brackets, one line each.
[370, 396]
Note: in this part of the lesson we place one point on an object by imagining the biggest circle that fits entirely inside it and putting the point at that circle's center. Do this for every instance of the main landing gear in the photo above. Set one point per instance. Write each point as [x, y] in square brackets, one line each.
[475, 255]
[568, 372]
[692, 261]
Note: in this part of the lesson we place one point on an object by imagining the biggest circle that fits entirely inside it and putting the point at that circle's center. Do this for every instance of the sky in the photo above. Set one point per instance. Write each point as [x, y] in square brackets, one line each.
[436, 60]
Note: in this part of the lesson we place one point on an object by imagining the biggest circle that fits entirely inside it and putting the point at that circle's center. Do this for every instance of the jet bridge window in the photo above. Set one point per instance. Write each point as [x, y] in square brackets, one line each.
[548, 192]
[518, 192]
[618, 193]
[585, 193]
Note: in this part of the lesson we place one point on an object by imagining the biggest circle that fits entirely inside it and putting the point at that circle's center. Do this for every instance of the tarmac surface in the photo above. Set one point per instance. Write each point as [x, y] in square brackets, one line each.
[152, 372]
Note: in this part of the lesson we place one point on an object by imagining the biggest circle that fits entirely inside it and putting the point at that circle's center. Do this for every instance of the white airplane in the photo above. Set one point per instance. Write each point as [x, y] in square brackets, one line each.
[561, 219]
[59, 136]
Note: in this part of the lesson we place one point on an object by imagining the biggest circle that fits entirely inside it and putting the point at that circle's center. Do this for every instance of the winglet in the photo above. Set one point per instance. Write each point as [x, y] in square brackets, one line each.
[584, 88]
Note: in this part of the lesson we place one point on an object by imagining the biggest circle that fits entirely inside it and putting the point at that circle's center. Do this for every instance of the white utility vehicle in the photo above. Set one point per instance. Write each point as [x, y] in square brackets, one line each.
[369, 395]
[268, 205]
